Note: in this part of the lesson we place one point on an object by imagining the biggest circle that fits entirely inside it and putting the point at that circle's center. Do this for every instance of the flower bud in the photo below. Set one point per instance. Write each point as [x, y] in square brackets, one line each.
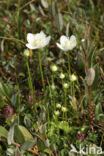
[26, 53]
[64, 109]
[62, 76]
[73, 78]
[83, 40]
[8, 111]
[58, 105]
[90, 76]
[65, 85]
[53, 68]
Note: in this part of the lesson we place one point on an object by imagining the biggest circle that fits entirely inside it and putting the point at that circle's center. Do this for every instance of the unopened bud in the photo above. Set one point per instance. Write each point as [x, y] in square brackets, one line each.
[90, 76]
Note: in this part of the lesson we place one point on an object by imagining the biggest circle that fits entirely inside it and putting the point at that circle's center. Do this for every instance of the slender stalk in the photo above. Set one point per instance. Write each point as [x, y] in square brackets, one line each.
[51, 101]
[30, 84]
[53, 93]
[73, 89]
[68, 57]
[41, 72]
[65, 93]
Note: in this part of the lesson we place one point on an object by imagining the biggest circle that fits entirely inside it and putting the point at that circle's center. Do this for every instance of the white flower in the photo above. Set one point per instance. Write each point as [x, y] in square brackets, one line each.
[62, 76]
[37, 41]
[26, 53]
[65, 85]
[58, 105]
[53, 68]
[67, 43]
[73, 78]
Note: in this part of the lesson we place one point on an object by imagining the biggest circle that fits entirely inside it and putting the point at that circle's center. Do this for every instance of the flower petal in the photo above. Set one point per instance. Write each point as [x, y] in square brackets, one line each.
[48, 39]
[73, 39]
[63, 39]
[30, 37]
[30, 46]
[42, 34]
[60, 46]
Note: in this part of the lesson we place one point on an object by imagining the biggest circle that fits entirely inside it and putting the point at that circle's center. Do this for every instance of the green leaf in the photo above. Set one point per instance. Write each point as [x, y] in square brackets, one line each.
[96, 80]
[28, 144]
[14, 99]
[48, 151]
[3, 132]
[90, 57]
[10, 152]
[47, 143]
[22, 134]
[59, 21]
[6, 90]
[11, 135]
[98, 111]
[41, 145]
[67, 29]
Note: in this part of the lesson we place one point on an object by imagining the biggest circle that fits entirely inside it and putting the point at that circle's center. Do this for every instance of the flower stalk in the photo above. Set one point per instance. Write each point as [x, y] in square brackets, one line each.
[68, 57]
[30, 84]
[65, 93]
[41, 71]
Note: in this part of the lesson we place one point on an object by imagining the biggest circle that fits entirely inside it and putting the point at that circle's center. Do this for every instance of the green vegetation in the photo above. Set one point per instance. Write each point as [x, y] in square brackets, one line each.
[51, 98]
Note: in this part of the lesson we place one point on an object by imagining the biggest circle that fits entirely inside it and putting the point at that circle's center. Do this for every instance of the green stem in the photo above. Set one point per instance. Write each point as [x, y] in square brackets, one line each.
[65, 93]
[51, 102]
[30, 84]
[53, 93]
[41, 72]
[73, 89]
[68, 57]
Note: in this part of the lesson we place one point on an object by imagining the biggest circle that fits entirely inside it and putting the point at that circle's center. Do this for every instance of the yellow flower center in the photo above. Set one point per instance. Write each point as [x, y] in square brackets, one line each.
[70, 44]
[38, 42]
